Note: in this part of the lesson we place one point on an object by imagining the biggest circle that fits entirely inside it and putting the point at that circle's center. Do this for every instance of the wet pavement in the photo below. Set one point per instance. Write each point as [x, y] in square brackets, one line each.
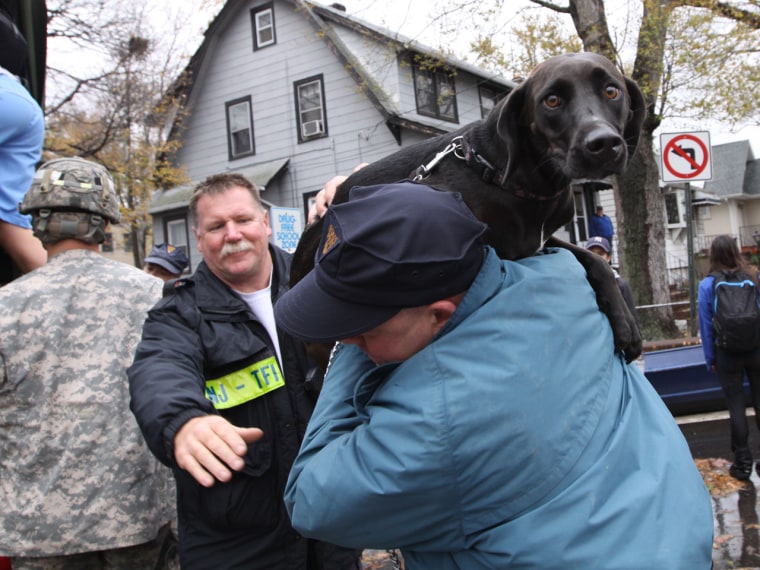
[737, 532]
[735, 505]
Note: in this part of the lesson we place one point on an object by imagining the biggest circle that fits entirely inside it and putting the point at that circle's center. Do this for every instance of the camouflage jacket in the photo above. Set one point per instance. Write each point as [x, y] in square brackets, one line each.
[75, 473]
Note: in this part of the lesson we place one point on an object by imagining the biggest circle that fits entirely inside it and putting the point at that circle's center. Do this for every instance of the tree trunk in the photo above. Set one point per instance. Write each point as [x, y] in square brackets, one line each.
[639, 204]
[640, 198]
[641, 231]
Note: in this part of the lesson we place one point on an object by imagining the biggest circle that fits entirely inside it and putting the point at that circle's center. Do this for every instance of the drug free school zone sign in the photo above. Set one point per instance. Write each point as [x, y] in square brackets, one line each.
[287, 226]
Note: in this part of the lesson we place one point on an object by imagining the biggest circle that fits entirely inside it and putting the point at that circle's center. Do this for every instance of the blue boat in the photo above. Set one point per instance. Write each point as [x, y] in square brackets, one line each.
[683, 382]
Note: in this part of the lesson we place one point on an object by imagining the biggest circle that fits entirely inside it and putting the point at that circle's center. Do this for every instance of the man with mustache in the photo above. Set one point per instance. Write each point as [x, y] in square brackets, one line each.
[223, 396]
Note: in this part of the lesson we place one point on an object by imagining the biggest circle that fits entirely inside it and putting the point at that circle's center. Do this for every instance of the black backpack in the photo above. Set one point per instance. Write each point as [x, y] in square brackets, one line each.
[736, 316]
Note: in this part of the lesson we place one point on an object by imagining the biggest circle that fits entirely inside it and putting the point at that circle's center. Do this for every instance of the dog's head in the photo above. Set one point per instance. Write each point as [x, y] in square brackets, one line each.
[576, 116]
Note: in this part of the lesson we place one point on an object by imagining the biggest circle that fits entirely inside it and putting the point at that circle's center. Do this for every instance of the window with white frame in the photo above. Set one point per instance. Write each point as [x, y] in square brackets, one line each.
[262, 20]
[674, 209]
[239, 128]
[435, 92]
[671, 208]
[310, 108]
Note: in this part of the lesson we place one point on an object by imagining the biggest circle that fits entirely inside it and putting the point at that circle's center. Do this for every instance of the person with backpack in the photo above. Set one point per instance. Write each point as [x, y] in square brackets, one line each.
[729, 324]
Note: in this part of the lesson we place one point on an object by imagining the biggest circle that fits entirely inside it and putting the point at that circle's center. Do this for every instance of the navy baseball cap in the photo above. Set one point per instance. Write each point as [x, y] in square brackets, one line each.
[599, 241]
[171, 258]
[388, 247]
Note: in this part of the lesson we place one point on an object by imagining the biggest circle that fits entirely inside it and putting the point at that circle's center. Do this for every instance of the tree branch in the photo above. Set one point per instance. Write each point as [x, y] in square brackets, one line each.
[747, 17]
[552, 6]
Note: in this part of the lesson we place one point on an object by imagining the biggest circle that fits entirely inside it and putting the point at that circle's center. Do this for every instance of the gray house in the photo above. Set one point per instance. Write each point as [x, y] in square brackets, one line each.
[291, 93]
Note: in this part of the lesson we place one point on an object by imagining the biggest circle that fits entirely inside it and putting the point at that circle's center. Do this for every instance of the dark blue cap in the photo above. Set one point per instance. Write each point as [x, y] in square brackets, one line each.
[171, 258]
[599, 241]
[388, 247]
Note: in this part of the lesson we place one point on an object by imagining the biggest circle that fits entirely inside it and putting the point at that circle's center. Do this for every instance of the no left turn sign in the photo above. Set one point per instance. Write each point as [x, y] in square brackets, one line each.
[686, 156]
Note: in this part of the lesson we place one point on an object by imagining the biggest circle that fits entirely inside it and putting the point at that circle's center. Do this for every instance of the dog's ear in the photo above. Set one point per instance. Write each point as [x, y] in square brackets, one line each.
[508, 126]
[636, 115]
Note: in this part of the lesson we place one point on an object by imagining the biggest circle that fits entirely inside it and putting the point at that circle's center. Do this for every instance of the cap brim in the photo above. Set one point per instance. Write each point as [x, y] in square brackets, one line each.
[163, 263]
[310, 314]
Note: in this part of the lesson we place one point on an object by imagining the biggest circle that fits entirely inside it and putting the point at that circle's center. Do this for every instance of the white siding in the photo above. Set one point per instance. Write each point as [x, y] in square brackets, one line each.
[234, 70]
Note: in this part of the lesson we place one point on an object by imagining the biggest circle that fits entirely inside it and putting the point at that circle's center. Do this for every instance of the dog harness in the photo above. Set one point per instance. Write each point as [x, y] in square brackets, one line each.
[461, 148]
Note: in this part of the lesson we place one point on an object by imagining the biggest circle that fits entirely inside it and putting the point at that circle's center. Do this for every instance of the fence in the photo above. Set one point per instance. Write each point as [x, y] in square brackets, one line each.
[748, 240]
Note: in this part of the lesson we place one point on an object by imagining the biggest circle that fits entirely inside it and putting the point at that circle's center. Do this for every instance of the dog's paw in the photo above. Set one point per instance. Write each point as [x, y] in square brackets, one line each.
[627, 338]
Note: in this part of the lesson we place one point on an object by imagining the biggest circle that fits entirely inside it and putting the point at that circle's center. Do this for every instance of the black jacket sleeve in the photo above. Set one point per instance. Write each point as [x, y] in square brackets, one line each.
[166, 381]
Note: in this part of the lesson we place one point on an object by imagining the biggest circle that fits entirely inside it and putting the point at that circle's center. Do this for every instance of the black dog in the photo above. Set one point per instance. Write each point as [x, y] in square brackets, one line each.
[576, 117]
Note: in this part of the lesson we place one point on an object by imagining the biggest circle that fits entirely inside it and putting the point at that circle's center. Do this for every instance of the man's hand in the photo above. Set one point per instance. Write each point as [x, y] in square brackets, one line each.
[209, 447]
[325, 196]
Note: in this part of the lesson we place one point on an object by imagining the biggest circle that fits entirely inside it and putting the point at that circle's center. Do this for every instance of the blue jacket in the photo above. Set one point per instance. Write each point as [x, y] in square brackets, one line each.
[516, 439]
[705, 297]
[601, 226]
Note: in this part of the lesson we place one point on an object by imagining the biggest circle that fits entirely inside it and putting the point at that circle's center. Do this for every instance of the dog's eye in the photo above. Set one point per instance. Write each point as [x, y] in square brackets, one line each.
[552, 101]
[612, 92]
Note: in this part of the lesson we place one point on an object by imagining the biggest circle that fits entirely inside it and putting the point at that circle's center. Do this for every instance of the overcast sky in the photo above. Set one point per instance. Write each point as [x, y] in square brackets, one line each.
[414, 19]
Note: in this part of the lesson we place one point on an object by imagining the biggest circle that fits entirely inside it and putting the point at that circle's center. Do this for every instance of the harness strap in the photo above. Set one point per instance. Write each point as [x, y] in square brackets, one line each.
[487, 171]
[463, 150]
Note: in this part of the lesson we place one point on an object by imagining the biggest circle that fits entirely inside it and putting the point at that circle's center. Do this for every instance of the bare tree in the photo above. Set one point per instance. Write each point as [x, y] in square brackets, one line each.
[112, 105]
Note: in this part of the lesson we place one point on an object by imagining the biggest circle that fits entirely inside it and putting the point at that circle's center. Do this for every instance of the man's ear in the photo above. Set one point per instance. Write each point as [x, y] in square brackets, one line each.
[442, 311]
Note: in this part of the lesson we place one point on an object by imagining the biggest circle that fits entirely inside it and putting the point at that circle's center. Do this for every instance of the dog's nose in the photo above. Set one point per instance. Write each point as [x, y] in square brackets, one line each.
[604, 144]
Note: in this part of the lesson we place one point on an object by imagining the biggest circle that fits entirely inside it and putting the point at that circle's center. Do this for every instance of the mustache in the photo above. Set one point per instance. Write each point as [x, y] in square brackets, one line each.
[230, 248]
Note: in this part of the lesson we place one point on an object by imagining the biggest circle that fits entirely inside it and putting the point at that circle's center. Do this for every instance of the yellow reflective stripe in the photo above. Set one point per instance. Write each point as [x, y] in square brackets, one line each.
[245, 385]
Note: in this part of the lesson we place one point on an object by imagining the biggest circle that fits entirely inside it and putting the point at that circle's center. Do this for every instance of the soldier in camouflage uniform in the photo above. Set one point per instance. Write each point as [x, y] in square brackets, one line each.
[79, 487]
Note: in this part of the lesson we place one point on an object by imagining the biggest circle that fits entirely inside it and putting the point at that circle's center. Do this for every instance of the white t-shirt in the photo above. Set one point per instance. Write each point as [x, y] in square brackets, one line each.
[260, 303]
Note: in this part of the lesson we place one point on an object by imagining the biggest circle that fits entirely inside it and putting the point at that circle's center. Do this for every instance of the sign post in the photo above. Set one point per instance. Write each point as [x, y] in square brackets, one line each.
[687, 157]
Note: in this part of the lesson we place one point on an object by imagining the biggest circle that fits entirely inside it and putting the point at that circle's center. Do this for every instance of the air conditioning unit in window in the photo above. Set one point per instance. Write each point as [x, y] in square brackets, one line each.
[311, 128]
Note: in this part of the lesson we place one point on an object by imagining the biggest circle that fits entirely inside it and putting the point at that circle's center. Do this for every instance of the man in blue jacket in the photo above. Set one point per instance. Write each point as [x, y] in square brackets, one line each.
[475, 408]
[601, 225]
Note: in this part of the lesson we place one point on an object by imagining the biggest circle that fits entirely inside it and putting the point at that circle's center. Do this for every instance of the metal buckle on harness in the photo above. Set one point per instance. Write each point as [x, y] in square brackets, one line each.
[425, 169]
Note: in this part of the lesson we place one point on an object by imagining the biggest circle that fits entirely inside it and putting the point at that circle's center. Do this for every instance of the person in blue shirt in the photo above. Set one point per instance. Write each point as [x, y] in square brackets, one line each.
[730, 366]
[22, 132]
[474, 409]
[601, 225]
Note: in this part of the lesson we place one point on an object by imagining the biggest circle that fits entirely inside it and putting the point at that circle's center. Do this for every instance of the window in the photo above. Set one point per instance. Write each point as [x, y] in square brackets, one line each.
[309, 198]
[262, 20]
[176, 234]
[580, 218]
[489, 98]
[435, 93]
[671, 208]
[310, 108]
[239, 128]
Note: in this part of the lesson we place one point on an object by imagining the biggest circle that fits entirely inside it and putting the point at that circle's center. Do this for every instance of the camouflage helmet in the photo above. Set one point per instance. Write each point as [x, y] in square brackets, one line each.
[71, 198]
